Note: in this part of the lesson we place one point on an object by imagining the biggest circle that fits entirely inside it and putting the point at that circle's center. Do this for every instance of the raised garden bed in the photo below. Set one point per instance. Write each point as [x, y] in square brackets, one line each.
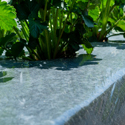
[56, 66]
[65, 91]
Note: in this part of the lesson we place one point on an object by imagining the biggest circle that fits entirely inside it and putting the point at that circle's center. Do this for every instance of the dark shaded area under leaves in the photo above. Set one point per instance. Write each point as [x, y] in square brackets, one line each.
[58, 64]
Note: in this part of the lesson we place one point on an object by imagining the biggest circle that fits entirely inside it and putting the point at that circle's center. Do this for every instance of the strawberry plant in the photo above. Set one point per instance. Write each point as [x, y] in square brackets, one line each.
[55, 28]
[108, 15]
[51, 28]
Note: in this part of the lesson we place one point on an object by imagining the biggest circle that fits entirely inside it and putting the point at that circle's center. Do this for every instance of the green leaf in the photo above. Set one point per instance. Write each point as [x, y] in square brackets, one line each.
[23, 42]
[36, 27]
[8, 53]
[2, 74]
[120, 2]
[121, 24]
[87, 47]
[17, 49]
[118, 29]
[75, 46]
[80, 28]
[26, 8]
[75, 37]
[22, 11]
[94, 13]
[82, 5]
[7, 16]
[33, 42]
[6, 39]
[88, 21]
[6, 79]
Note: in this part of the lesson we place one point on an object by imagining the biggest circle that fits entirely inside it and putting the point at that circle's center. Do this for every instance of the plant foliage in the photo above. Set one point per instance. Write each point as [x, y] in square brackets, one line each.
[52, 29]
[108, 15]
[7, 16]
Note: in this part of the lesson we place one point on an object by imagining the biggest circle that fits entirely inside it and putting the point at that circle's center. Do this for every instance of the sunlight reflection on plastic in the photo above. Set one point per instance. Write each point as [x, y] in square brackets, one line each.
[21, 77]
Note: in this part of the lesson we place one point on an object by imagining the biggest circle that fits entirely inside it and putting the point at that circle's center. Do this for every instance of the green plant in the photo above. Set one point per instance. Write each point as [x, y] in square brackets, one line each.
[108, 15]
[7, 22]
[50, 28]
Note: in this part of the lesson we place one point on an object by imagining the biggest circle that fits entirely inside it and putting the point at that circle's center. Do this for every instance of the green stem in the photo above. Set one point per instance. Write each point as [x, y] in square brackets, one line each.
[27, 23]
[24, 32]
[88, 5]
[74, 24]
[42, 14]
[71, 22]
[31, 51]
[48, 43]
[53, 28]
[105, 15]
[55, 22]
[46, 34]
[45, 10]
[55, 18]
[61, 19]
[112, 8]
[17, 32]
[63, 28]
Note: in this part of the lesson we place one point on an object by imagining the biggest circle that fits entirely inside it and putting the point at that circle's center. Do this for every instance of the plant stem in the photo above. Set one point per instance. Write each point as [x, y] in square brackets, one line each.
[105, 16]
[74, 24]
[61, 19]
[33, 52]
[63, 28]
[48, 43]
[46, 34]
[24, 32]
[27, 23]
[112, 8]
[17, 31]
[53, 27]
[45, 10]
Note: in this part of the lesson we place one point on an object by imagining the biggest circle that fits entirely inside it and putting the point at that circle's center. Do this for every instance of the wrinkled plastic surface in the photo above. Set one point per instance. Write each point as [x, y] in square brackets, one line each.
[55, 92]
